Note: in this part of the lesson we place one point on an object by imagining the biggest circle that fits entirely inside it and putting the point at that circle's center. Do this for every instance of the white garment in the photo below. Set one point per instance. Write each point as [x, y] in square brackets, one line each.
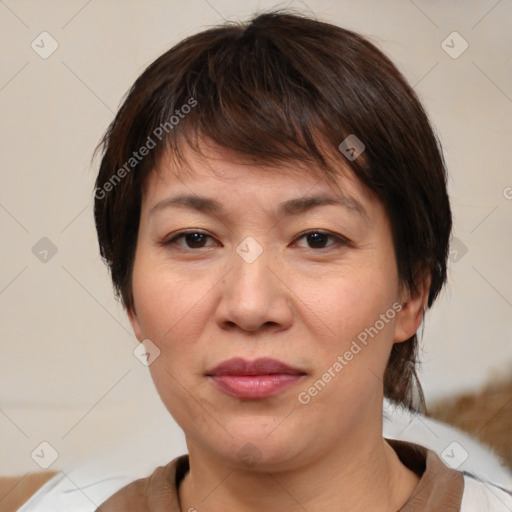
[84, 488]
[480, 496]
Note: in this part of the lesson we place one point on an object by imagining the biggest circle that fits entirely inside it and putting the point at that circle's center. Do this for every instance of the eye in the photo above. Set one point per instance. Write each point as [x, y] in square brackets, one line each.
[191, 240]
[315, 239]
[319, 239]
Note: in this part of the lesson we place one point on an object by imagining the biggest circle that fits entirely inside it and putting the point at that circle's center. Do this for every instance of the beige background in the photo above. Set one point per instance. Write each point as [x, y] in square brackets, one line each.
[68, 374]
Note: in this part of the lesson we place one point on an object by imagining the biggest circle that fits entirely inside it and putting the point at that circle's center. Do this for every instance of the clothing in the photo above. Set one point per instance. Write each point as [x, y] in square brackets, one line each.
[83, 487]
[440, 488]
[16, 490]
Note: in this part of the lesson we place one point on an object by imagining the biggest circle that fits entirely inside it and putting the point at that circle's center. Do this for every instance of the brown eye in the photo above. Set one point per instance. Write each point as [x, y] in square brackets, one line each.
[194, 240]
[319, 240]
[189, 240]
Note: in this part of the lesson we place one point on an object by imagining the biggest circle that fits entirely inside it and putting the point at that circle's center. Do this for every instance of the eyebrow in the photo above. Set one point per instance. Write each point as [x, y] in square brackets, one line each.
[294, 206]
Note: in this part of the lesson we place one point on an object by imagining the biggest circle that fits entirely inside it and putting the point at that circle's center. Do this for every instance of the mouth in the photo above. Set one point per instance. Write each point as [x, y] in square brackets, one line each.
[261, 378]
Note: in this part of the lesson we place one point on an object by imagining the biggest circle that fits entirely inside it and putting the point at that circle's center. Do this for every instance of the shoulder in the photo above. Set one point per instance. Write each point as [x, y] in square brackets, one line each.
[130, 497]
[95, 489]
[156, 492]
[71, 491]
[455, 448]
[481, 496]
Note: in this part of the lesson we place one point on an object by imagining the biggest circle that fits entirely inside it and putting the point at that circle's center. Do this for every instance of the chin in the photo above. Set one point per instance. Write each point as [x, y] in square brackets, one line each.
[264, 450]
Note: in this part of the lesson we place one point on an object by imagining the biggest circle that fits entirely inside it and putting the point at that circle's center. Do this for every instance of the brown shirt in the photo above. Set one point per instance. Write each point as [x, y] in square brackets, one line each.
[439, 489]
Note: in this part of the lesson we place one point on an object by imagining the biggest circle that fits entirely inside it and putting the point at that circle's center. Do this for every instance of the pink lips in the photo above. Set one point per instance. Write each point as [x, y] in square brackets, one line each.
[260, 378]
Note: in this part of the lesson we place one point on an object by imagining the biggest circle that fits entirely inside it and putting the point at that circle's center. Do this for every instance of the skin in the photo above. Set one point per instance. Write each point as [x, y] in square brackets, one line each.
[302, 301]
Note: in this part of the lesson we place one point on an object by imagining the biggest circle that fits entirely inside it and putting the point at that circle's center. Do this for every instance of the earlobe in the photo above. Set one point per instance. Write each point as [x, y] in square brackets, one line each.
[413, 311]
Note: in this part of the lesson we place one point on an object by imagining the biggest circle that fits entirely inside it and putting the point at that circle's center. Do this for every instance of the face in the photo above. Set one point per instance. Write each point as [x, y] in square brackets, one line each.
[243, 261]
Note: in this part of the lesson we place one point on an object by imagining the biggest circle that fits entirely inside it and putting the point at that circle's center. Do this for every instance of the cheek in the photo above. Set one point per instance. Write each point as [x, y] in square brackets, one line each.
[353, 339]
[350, 302]
[165, 302]
[358, 323]
[170, 312]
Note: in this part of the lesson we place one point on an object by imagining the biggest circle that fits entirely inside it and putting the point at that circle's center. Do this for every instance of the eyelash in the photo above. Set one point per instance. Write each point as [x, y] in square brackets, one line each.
[340, 240]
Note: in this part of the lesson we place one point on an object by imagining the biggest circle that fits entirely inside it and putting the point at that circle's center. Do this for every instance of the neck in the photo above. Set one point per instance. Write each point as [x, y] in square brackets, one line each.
[360, 475]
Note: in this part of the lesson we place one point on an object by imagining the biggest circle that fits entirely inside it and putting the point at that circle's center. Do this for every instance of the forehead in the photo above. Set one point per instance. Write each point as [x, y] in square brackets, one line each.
[229, 176]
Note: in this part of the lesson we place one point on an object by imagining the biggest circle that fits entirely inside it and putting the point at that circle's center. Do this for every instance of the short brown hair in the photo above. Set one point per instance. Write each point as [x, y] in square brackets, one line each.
[284, 87]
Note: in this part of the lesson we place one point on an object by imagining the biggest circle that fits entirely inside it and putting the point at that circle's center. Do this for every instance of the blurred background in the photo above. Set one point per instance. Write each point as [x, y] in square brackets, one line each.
[68, 374]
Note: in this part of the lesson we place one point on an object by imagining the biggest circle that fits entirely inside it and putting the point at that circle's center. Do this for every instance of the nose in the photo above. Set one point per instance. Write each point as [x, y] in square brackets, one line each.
[254, 296]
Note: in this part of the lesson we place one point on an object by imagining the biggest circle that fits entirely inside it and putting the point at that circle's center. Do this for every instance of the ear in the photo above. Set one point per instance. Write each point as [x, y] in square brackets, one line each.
[134, 321]
[414, 304]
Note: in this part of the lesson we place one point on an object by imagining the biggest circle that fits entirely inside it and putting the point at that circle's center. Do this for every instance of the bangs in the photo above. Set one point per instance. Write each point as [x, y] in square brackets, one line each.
[255, 95]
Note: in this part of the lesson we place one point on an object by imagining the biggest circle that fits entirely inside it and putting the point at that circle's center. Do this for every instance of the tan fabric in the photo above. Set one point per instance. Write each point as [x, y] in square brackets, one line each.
[439, 490]
[16, 490]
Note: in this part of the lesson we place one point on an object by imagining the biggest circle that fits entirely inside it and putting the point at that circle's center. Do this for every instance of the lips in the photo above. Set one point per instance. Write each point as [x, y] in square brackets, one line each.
[261, 378]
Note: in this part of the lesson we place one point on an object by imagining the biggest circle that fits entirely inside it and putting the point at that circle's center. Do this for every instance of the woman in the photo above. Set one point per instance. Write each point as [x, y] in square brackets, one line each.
[272, 205]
